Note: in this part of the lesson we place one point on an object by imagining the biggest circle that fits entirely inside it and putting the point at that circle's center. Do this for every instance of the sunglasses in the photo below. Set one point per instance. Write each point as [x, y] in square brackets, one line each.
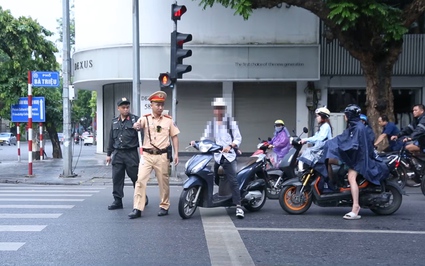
[158, 129]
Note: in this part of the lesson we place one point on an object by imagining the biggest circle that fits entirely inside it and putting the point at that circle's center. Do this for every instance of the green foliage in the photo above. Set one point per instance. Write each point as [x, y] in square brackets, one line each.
[242, 7]
[93, 102]
[23, 47]
[381, 17]
[81, 107]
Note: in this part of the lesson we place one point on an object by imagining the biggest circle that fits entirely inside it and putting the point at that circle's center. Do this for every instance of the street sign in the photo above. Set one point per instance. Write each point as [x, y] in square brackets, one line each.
[20, 110]
[45, 79]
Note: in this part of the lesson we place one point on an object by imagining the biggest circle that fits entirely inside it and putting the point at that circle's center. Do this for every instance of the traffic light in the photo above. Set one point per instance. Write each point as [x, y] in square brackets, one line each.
[177, 68]
[165, 81]
[177, 11]
[178, 53]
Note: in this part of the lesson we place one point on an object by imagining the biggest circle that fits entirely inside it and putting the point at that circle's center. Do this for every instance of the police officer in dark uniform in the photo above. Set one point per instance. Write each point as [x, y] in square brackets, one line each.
[123, 146]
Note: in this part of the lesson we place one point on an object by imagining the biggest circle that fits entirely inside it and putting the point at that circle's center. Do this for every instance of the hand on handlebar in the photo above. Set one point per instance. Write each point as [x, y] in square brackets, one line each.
[407, 139]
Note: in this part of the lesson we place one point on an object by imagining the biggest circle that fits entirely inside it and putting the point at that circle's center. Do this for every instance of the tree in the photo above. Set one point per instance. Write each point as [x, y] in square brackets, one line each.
[371, 31]
[82, 109]
[24, 47]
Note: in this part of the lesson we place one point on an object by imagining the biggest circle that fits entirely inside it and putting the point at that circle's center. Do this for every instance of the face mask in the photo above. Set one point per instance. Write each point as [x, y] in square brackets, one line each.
[278, 129]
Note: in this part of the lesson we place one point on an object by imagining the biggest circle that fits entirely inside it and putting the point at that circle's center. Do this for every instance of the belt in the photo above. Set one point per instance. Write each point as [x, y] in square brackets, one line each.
[127, 149]
[155, 151]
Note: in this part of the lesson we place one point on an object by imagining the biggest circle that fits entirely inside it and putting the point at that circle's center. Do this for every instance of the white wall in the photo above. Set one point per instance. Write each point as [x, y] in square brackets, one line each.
[102, 23]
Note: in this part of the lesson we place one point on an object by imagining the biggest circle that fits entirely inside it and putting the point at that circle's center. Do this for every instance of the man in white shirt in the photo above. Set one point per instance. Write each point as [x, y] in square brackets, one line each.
[225, 132]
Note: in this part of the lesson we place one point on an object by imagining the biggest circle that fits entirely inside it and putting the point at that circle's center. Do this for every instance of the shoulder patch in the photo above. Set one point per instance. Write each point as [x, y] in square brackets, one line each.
[167, 116]
[147, 115]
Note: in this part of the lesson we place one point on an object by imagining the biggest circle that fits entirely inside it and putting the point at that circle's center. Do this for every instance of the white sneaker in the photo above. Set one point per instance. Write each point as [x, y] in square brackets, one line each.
[240, 213]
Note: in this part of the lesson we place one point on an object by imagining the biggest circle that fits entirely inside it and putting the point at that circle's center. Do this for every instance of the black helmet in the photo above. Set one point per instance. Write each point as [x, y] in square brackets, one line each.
[352, 111]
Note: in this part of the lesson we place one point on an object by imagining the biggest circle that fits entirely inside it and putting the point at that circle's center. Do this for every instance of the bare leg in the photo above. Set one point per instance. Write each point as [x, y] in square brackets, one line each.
[352, 175]
[332, 180]
[413, 148]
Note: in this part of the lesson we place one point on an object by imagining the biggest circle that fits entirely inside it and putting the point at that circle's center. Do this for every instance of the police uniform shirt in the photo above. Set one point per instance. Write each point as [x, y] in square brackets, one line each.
[122, 135]
[160, 130]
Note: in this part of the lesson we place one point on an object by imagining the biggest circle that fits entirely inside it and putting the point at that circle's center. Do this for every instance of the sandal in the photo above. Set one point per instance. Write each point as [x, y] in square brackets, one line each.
[351, 216]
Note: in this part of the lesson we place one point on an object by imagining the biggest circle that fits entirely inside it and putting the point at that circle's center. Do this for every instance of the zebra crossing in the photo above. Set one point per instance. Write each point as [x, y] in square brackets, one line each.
[21, 206]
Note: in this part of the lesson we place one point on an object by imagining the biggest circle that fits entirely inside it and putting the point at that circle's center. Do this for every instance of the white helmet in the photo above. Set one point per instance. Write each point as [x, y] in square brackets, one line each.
[323, 111]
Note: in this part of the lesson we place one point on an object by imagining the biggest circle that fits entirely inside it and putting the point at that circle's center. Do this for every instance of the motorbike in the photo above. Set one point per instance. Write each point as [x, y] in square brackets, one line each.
[199, 186]
[76, 139]
[410, 167]
[275, 175]
[299, 193]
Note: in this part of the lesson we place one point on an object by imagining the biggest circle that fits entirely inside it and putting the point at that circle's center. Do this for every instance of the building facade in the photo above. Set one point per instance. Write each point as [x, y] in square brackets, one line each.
[264, 67]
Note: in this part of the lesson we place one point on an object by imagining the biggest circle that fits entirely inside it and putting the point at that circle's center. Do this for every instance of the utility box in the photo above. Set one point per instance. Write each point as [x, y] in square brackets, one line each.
[338, 123]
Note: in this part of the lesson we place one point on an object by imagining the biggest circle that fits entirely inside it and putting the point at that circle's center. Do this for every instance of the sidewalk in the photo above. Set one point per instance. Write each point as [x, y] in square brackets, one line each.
[89, 170]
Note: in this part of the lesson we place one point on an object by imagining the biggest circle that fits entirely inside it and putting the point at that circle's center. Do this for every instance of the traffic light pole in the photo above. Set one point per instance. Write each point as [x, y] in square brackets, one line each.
[174, 103]
[174, 110]
[136, 60]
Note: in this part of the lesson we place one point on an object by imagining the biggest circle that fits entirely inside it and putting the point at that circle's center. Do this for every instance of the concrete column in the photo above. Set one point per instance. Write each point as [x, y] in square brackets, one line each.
[302, 112]
[228, 96]
[99, 122]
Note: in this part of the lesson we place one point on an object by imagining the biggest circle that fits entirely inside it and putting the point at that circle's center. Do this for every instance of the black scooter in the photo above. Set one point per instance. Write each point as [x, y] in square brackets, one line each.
[198, 188]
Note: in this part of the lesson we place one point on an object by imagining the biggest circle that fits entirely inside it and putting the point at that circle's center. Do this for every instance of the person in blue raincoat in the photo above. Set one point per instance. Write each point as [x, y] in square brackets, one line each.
[370, 132]
[354, 148]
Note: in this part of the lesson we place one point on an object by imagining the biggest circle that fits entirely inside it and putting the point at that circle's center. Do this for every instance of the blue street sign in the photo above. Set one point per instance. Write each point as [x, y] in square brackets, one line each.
[20, 110]
[45, 79]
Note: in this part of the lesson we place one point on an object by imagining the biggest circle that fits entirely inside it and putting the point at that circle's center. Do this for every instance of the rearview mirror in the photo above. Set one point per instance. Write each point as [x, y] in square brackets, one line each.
[305, 130]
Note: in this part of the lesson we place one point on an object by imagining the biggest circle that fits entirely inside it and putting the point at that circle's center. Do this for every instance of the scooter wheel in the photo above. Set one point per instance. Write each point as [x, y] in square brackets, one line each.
[187, 206]
[257, 204]
[393, 205]
[423, 186]
[272, 191]
[294, 202]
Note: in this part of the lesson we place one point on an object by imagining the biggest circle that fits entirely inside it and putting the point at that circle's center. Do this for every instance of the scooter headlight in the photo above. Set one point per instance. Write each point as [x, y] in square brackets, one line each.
[199, 166]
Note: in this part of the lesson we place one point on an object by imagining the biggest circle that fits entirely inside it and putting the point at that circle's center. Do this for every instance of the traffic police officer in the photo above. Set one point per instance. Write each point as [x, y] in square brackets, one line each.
[158, 129]
[123, 146]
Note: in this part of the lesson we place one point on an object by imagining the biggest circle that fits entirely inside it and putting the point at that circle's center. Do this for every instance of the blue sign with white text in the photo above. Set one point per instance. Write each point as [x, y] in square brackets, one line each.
[20, 110]
[45, 79]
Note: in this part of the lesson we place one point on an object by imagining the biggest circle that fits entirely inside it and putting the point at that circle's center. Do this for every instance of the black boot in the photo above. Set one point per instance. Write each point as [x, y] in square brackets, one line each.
[135, 214]
[117, 204]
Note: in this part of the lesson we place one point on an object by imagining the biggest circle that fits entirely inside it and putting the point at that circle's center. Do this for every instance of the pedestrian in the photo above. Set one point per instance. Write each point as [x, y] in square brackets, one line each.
[279, 143]
[122, 151]
[225, 132]
[158, 129]
[389, 129]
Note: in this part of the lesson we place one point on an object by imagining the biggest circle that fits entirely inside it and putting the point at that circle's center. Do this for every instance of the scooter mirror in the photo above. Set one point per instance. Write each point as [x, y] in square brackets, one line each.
[305, 130]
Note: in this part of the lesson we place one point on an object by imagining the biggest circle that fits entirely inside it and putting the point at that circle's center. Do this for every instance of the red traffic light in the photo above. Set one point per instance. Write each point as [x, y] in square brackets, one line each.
[165, 80]
[177, 11]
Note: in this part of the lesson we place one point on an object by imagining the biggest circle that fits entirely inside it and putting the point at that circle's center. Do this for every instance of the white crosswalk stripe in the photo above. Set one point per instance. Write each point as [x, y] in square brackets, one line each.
[34, 203]
[2, 206]
[10, 246]
[38, 200]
